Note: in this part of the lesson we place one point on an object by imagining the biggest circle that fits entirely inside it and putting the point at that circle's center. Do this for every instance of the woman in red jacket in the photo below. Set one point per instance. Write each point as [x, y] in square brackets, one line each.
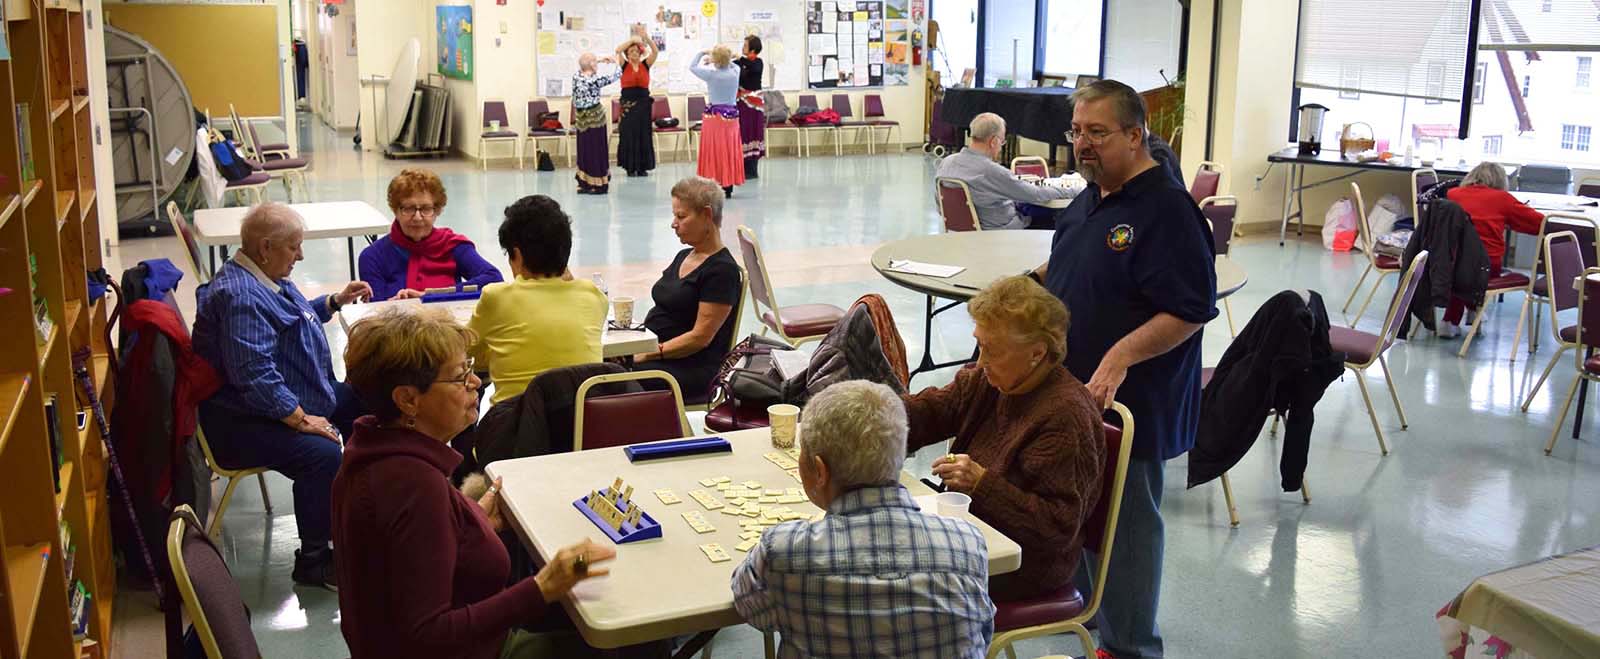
[421, 569]
[1482, 194]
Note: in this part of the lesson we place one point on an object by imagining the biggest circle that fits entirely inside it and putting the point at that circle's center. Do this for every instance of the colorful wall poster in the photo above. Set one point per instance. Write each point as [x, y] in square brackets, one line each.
[455, 41]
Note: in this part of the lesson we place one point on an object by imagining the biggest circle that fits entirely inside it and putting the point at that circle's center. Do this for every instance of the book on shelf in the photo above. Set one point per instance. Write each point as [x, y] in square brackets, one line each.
[80, 611]
[53, 425]
[25, 141]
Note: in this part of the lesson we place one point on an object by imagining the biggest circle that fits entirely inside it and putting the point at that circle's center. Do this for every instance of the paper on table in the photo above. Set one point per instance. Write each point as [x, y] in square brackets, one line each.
[928, 269]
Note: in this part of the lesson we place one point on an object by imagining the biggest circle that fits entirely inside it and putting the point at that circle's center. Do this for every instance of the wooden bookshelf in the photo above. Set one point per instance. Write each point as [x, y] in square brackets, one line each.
[54, 471]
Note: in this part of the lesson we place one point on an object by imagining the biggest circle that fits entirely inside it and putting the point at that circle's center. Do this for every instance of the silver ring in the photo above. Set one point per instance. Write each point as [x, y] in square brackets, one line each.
[494, 490]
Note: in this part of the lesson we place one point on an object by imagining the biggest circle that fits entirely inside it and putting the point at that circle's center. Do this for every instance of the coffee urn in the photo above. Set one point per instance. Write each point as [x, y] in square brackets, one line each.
[1310, 134]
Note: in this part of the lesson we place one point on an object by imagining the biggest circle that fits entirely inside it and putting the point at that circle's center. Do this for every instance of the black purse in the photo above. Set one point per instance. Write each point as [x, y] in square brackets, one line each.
[667, 122]
[749, 377]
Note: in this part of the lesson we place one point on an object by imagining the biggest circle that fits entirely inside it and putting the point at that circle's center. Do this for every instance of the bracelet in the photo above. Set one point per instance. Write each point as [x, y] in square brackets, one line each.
[333, 304]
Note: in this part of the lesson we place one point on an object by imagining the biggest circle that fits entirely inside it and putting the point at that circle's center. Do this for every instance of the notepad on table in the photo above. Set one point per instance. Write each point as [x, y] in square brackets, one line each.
[928, 269]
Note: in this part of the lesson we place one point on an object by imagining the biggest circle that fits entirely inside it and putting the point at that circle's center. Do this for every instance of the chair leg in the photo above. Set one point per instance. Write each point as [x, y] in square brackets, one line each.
[1274, 429]
[266, 499]
[769, 645]
[1228, 309]
[1522, 318]
[222, 507]
[1356, 289]
[1393, 395]
[1472, 332]
[1533, 334]
[1542, 377]
[1561, 416]
[1376, 284]
[1227, 495]
[1305, 491]
[1361, 381]
[1011, 652]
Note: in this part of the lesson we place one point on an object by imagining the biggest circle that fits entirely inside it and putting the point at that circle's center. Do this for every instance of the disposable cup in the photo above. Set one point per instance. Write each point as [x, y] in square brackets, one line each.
[622, 310]
[784, 420]
[954, 504]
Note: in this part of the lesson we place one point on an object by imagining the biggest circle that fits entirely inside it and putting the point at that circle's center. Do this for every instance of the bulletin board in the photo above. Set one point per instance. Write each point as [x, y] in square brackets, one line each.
[781, 24]
[845, 44]
[569, 28]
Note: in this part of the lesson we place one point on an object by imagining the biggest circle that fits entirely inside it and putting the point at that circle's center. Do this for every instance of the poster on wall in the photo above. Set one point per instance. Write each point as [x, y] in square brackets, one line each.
[455, 41]
[845, 42]
[897, 54]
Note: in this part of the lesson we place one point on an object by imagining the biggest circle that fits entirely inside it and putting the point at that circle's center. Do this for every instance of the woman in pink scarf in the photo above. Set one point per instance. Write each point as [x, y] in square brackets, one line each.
[416, 255]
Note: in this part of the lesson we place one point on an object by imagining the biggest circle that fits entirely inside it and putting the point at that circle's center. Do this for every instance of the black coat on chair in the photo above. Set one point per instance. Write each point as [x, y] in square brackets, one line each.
[1281, 362]
[1458, 266]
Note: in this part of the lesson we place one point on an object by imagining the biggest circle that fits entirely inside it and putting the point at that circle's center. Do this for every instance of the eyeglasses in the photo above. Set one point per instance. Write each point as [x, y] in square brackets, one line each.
[464, 379]
[1091, 137]
[425, 211]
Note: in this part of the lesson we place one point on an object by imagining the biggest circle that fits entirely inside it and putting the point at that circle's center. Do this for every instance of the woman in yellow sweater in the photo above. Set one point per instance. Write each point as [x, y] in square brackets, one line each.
[542, 318]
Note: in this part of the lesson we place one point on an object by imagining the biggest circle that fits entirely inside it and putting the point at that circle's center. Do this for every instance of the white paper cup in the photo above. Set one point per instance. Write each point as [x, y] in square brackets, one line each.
[953, 504]
[494, 124]
[622, 310]
[784, 420]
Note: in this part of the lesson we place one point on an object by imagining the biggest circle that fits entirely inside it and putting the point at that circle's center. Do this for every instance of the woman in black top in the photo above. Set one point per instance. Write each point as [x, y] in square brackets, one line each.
[697, 295]
[752, 112]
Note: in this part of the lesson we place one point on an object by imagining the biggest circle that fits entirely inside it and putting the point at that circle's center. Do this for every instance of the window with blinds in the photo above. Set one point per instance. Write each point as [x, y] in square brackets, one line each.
[1556, 25]
[1409, 48]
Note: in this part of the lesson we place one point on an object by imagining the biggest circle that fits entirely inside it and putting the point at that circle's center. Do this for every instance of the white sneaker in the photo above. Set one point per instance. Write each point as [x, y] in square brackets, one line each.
[1448, 330]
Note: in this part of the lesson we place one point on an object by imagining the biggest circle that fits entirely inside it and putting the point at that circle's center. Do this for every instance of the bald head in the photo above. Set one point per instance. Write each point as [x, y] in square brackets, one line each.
[987, 126]
[270, 235]
[269, 221]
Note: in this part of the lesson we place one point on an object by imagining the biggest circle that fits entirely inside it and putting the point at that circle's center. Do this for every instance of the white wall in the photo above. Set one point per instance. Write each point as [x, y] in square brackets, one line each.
[99, 118]
[380, 35]
[1142, 39]
[506, 71]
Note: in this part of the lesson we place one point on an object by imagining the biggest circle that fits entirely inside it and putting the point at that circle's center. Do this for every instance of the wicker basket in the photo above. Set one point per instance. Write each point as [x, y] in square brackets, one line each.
[1351, 143]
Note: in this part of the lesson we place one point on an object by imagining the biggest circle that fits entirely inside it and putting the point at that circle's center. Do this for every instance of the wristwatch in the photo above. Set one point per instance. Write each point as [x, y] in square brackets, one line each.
[333, 304]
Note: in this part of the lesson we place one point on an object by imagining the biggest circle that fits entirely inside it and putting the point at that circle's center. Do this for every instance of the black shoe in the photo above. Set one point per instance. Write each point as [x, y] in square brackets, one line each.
[727, 192]
[315, 569]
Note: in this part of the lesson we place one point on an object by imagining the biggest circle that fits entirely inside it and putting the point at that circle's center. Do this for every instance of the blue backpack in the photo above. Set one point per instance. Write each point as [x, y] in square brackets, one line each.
[229, 164]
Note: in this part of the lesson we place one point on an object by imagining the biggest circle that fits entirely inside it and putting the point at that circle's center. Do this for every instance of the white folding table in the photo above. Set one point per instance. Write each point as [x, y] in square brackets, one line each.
[613, 342]
[659, 588]
[219, 227]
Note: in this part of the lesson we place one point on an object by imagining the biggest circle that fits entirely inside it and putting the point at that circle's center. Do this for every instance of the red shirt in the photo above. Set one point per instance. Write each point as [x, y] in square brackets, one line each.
[1492, 211]
[636, 76]
[422, 573]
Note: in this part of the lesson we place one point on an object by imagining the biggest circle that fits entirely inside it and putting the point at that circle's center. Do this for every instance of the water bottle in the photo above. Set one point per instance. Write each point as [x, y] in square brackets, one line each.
[600, 283]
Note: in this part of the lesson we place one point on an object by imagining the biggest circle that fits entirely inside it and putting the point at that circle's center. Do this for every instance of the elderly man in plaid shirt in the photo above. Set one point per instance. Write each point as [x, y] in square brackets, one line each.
[876, 577]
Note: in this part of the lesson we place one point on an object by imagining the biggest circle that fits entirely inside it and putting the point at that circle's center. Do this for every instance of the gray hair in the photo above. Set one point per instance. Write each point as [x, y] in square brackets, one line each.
[1126, 104]
[1488, 174]
[269, 221]
[701, 193]
[859, 429]
[985, 126]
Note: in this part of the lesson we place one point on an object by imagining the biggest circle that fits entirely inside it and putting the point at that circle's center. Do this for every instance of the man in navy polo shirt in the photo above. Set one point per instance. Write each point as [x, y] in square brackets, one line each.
[1133, 261]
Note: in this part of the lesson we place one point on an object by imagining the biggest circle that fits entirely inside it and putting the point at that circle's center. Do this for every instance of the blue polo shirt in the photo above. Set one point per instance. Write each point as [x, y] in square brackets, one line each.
[1117, 262]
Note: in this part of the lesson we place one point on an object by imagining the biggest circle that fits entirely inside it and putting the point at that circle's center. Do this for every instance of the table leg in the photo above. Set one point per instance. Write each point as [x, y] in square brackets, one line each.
[927, 363]
[1288, 180]
[211, 255]
[350, 242]
[695, 644]
[1300, 201]
[224, 249]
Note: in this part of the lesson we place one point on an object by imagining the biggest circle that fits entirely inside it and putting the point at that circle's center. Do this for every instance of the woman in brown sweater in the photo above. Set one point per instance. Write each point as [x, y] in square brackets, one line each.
[422, 571]
[1028, 445]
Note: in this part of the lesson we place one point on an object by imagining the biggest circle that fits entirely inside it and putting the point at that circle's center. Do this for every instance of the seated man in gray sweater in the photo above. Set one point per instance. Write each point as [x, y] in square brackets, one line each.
[995, 191]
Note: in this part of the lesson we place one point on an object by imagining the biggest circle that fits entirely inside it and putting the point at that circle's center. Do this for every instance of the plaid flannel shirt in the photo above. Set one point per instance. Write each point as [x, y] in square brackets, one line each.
[875, 578]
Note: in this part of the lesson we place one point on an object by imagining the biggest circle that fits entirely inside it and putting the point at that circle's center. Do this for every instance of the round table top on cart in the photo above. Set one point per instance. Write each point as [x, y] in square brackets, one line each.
[988, 256]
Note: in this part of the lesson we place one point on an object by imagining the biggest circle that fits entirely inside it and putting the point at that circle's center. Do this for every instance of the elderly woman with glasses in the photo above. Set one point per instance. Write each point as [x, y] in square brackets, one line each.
[417, 255]
[1028, 446]
[422, 568]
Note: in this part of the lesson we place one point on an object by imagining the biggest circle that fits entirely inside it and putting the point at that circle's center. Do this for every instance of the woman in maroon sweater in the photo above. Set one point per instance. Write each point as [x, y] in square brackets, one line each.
[1028, 442]
[1482, 194]
[421, 570]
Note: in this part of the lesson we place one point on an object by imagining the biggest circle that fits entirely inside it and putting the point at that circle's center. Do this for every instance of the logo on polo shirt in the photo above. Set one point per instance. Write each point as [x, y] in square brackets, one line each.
[1120, 238]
